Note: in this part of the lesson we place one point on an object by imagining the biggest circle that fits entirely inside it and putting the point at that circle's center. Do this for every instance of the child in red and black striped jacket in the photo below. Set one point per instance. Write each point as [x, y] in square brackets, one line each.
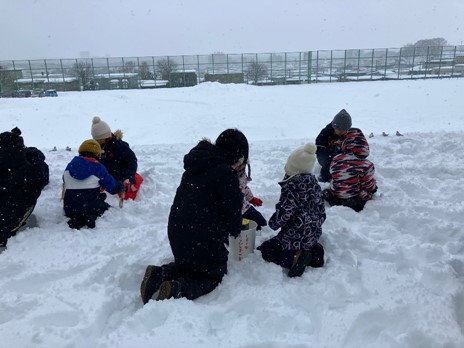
[353, 182]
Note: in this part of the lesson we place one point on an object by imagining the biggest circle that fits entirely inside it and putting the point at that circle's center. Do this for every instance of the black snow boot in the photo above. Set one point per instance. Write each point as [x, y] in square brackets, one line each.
[317, 256]
[90, 221]
[75, 223]
[300, 260]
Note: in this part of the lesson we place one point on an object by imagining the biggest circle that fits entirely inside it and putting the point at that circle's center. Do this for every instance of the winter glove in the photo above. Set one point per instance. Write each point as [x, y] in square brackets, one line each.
[256, 202]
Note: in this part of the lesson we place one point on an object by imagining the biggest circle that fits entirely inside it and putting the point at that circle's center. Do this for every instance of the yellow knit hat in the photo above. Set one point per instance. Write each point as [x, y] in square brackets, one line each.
[90, 146]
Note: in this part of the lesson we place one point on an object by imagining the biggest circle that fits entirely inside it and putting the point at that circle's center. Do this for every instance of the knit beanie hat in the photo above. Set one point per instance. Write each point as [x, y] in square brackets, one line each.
[235, 145]
[301, 160]
[342, 121]
[90, 146]
[100, 129]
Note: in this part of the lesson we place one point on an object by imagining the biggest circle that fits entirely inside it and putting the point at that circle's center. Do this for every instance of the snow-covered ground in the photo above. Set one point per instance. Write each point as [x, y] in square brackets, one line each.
[394, 274]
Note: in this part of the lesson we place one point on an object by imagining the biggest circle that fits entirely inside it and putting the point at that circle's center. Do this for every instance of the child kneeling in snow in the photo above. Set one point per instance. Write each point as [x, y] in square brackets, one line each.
[249, 200]
[82, 179]
[299, 214]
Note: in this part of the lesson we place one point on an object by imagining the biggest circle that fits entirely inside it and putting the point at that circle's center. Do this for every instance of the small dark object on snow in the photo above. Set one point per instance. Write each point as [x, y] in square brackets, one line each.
[54, 149]
[399, 134]
[68, 148]
[385, 134]
[371, 135]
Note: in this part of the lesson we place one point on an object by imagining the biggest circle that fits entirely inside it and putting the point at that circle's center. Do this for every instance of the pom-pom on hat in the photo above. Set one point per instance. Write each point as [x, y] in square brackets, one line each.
[342, 121]
[100, 129]
[301, 160]
[235, 145]
[90, 146]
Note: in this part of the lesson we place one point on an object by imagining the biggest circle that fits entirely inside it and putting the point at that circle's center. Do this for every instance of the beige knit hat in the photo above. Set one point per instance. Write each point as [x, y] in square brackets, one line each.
[301, 160]
[100, 129]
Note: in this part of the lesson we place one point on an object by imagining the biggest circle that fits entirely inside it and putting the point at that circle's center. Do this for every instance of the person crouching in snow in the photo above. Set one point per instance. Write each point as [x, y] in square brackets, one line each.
[117, 157]
[353, 182]
[23, 175]
[249, 200]
[299, 214]
[82, 180]
[205, 212]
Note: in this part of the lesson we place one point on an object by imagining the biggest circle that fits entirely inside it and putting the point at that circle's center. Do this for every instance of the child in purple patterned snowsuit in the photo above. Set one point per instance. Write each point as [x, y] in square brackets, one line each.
[299, 214]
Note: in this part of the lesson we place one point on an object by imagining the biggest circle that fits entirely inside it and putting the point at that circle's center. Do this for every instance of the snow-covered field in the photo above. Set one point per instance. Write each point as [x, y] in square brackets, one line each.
[394, 274]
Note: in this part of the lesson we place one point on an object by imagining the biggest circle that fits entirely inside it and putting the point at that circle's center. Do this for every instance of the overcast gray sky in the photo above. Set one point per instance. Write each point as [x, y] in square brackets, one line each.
[31, 29]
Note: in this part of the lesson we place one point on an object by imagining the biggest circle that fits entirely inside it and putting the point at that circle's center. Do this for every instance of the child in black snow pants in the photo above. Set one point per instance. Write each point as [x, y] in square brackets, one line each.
[82, 180]
[299, 214]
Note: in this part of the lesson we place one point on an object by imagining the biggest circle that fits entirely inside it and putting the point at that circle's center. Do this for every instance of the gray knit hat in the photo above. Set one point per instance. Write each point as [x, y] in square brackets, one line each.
[342, 121]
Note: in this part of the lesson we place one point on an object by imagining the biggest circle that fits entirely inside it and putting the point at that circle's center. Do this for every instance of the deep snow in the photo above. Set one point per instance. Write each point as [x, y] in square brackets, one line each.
[394, 272]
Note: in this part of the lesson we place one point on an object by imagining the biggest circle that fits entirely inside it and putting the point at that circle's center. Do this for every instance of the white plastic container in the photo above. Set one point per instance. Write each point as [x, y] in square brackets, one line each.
[244, 244]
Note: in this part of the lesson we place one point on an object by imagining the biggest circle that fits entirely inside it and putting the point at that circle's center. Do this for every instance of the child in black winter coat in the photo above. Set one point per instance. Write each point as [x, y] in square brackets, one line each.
[299, 214]
[23, 175]
[117, 157]
[329, 142]
[82, 180]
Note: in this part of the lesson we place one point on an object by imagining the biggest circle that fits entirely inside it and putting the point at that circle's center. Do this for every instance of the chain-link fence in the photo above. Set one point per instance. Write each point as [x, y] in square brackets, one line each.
[35, 76]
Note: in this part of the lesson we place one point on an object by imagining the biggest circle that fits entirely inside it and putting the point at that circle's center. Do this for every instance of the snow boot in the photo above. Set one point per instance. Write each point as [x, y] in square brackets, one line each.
[90, 220]
[300, 260]
[317, 256]
[75, 223]
[151, 282]
[169, 289]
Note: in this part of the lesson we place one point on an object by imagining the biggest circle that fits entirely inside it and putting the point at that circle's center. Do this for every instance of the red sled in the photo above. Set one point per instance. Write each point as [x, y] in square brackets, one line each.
[132, 192]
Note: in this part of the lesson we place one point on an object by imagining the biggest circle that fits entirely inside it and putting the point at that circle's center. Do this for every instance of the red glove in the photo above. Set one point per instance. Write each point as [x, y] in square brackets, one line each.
[256, 202]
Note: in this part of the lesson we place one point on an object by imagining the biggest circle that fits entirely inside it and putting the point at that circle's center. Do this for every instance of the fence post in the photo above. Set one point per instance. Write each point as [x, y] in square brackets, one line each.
[385, 64]
[62, 73]
[32, 76]
[183, 69]
[198, 64]
[454, 62]
[426, 62]
[46, 72]
[285, 69]
[317, 66]
[399, 65]
[154, 69]
[439, 63]
[330, 69]
[359, 61]
[372, 63]
[344, 65]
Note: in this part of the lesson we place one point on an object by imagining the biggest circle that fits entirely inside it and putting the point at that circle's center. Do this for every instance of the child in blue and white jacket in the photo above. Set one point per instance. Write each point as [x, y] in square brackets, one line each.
[299, 214]
[82, 180]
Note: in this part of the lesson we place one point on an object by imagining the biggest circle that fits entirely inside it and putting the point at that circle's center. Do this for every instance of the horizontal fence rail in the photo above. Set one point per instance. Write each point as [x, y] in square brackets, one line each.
[30, 77]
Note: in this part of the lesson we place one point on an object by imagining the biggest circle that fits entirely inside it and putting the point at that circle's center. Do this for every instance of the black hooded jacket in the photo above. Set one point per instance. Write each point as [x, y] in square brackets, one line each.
[23, 175]
[206, 210]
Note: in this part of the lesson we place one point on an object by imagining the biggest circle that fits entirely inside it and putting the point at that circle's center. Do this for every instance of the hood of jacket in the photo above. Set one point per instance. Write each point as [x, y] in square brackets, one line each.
[203, 157]
[80, 167]
[355, 143]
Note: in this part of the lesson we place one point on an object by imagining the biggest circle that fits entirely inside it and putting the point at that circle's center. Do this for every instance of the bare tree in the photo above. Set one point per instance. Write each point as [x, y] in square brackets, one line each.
[145, 73]
[83, 71]
[430, 47]
[165, 67]
[256, 71]
[129, 67]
